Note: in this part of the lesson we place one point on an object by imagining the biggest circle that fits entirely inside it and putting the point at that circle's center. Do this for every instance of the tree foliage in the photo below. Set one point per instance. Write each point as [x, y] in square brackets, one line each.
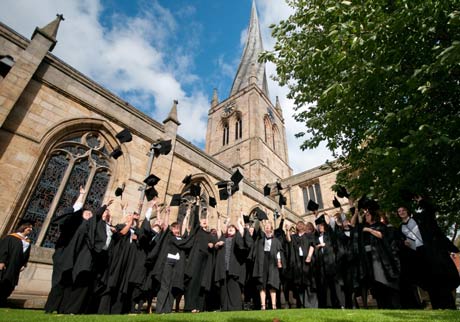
[383, 77]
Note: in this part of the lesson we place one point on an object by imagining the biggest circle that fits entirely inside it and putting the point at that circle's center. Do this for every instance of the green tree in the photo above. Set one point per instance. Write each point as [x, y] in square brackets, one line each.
[379, 82]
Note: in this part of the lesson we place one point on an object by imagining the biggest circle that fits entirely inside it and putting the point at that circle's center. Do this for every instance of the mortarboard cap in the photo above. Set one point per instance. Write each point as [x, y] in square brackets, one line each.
[151, 180]
[124, 136]
[236, 177]
[279, 186]
[336, 203]
[176, 199]
[246, 219]
[116, 153]
[151, 193]
[282, 200]
[223, 194]
[222, 184]
[187, 179]
[312, 206]
[261, 215]
[212, 202]
[320, 220]
[267, 190]
[30, 222]
[195, 189]
[342, 192]
[119, 191]
[276, 214]
[352, 210]
[163, 147]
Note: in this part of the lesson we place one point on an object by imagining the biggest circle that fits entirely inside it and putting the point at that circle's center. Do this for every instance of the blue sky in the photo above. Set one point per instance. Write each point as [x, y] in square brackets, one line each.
[150, 52]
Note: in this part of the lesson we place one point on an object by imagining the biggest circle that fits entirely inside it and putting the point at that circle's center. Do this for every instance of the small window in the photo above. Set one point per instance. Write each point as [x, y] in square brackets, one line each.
[226, 135]
[312, 192]
[6, 62]
[238, 129]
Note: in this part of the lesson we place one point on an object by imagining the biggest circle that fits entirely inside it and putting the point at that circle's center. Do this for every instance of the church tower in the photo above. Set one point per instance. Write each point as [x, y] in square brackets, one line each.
[246, 130]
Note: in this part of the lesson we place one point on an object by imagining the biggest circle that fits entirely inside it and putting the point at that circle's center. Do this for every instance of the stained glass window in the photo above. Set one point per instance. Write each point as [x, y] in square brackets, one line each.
[79, 160]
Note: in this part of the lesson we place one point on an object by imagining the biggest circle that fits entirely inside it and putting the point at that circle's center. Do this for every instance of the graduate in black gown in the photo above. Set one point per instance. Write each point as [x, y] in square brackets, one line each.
[68, 223]
[429, 252]
[381, 269]
[14, 254]
[169, 260]
[118, 294]
[230, 266]
[326, 269]
[197, 273]
[78, 266]
[266, 255]
[301, 263]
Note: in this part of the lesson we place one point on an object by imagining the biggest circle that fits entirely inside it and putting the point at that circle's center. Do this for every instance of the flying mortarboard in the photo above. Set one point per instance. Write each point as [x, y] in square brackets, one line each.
[119, 191]
[261, 215]
[336, 203]
[320, 220]
[236, 177]
[175, 200]
[276, 214]
[116, 153]
[246, 219]
[267, 190]
[187, 179]
[279, 186]
[342, 192]
[352, 210]
[282, 200]
[162, 147]
[195, 189]
[223, 194]
[312, 206]
[151, 193]
[151, 180]
[212, 202]
[222, 184]
[124, 136]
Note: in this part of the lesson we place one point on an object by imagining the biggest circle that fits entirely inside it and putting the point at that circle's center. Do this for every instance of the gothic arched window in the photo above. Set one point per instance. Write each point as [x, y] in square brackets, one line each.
[226, 134]
[238, 128]
[79, 160]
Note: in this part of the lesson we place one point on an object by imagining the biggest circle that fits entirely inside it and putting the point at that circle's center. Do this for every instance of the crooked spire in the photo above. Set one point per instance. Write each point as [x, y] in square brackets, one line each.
[250, 70]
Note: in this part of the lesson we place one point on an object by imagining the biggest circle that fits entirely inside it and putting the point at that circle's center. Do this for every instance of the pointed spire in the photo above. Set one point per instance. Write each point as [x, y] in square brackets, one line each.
[277, 104]
[50, 30]
[173, 114]
[215, 98]
[249, 60]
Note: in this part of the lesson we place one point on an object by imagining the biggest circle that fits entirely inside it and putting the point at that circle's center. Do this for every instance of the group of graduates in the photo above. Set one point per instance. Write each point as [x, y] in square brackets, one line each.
[99, 268]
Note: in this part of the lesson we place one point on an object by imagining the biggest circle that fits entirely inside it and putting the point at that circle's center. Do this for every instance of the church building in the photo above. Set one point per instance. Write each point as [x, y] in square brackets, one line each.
[58, 131]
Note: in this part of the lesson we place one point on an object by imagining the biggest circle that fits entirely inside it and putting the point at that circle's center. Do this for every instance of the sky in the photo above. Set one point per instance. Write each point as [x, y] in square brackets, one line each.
[150, 52]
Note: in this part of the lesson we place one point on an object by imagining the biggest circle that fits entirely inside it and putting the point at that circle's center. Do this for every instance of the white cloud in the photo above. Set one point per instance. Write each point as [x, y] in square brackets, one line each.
[134, 57]
[130, 56]
[272, 12]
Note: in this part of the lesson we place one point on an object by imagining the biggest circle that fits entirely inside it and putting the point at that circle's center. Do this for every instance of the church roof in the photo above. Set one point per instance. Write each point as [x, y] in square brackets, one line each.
[249, 65]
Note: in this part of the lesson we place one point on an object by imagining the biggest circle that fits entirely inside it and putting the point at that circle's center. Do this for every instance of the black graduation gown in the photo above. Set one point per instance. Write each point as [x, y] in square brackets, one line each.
[270, 270]
[197, 273]
[302, 273]
[169, 273]
[232, 279]
[116, 298]
[14, 258]
[325, 268]
[435, 270]
[68, 225]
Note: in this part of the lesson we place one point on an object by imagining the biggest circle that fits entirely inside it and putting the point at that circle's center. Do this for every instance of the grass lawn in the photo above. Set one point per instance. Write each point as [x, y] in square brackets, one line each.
[293, 315]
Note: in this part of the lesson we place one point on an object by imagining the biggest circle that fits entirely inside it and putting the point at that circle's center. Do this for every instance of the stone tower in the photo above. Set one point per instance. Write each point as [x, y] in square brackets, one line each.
[246, 130]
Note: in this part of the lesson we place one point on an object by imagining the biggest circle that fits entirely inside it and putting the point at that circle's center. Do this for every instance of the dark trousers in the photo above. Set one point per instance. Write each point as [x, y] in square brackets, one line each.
[441, 298]
[230, 294]
[6, 288]
[167, 294]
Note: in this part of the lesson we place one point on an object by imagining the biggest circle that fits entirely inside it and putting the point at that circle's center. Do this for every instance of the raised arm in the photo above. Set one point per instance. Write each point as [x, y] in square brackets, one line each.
[185, 222]
[219, 226]
[79, 202]
[240, 223]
